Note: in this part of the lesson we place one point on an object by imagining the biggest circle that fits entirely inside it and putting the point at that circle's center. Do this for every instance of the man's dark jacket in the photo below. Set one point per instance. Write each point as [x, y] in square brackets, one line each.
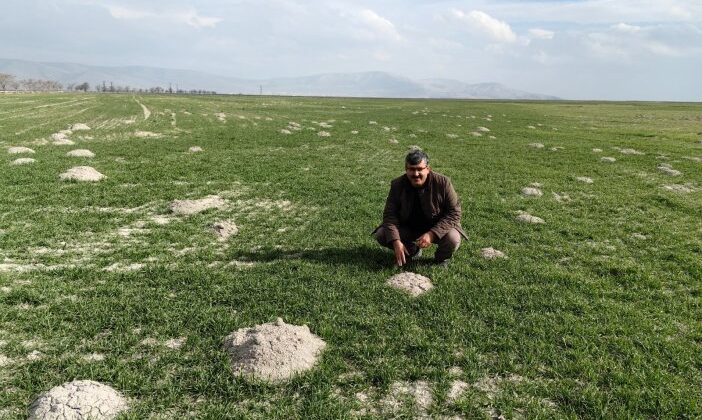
[439, 200]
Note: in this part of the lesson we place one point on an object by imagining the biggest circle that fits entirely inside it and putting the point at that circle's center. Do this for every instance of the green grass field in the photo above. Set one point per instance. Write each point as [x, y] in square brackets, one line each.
[595, 314]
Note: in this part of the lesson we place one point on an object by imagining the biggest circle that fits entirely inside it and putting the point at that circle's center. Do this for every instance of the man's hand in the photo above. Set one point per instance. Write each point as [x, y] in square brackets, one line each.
[425, 240]
[400, 253]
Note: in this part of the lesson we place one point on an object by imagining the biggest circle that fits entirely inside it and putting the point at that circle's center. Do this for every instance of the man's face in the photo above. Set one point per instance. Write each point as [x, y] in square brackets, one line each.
[417, 174]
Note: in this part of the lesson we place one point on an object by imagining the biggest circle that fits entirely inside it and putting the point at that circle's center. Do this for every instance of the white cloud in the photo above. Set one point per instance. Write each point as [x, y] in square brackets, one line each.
[193, 19]
[623, 27]
[496, 29]
[119, 12]
[538, 33]
[378, 25]
[189, 17]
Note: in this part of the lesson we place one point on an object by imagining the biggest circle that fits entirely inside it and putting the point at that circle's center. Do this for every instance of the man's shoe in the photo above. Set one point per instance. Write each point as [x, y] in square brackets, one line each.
[416, 254]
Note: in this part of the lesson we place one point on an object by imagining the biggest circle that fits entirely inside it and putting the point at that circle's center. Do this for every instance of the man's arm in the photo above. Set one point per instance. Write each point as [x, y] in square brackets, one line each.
[391, 213]
[451, 217]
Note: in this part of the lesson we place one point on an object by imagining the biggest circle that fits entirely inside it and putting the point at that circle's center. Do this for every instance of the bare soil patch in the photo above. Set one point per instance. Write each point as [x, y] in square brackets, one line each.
[608, 159]
[78, 400]
[531, 192]
[188, 207]
[147, 134]
[525, 217]
[82, 173]
[18, 150]
[412, 283]
[81, 153]
[79, 127]
[22, 161]
[224, 229]
[274, 351]
[491, 253]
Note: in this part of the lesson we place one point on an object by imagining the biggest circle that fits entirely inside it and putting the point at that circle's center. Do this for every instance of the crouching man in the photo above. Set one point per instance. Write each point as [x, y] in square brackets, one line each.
[422, 208]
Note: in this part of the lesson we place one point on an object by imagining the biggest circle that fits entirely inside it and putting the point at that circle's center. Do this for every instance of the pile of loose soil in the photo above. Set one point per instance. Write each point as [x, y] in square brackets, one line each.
[79, 127]
[491, 253]
[22, 161]
[82, 173]
[195, 149]
[18, 150]
[81, 153]
[224, 230]
[631, 152]
[531, 192]
[324, 134]
[680, 188]
[146, 134]
[274, 351]
[536, 145]
[188, 207]
[78, 400]
[596, 150]
[668, 170]
[608, 159]
[585, 179]
[528, 218]
[412, 283]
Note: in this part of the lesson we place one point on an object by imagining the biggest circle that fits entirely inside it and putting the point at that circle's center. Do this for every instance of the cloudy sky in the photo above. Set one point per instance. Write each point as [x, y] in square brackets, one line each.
[575, 49]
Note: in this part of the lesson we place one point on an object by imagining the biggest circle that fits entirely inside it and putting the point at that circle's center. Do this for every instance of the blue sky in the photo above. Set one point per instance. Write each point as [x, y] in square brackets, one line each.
[588, 49]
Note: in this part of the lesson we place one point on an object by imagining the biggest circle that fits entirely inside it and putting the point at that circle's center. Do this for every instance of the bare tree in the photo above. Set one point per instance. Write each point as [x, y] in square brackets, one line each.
[6, 80]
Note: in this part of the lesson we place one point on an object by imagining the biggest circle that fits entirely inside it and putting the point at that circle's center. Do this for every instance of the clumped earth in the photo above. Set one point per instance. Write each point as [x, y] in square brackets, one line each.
[188, 207]
[531, 192]
[528, 218]
[82, 173]
[608, 159]
[195, 149]
[79, 127]
[412, 283]
[274, 352]
[491, 253]
[19, 149]
[224, 230]
[22, 161]
[78, 400]
[81, 153]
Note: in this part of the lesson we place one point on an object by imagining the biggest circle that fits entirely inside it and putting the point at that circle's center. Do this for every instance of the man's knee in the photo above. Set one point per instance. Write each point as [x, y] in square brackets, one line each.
[452, 240]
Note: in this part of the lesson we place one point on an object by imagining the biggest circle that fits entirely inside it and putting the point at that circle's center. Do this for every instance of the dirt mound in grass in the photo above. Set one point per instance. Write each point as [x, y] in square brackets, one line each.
[81, 153]
[224, 230]
[188, 207]
[82, 173]
[195, 149]
[79, 127]
[22, 161]
[528, 218]
[147, 134]
[275, 351]
[585, 179]
[608, 159]
[18, 150]
[412, 283]
[491, 253]
[668, 170]
[531, 192]
[78, 400]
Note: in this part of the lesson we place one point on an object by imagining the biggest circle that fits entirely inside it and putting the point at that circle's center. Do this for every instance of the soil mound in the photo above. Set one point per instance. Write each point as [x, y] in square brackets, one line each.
[528, 218]
[82, 173]
[412, 283]
[78, 400]
[668, 170]
[531, 192]
[274, 351]
[19, 149]
[631, 152]
[536, 145]
[224, 230]
[585, 179]
[608, 159]
[22, 161]
[491, 253]
[195, 149]
[188, 207]
[81, 153]
[79, 127]
[147, 134]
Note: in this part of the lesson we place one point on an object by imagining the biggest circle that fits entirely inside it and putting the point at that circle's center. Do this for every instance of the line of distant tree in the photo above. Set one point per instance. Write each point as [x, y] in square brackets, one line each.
[9, 82]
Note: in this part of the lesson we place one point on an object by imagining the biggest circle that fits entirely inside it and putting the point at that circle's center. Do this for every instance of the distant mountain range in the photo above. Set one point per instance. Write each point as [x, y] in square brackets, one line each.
[365, 84]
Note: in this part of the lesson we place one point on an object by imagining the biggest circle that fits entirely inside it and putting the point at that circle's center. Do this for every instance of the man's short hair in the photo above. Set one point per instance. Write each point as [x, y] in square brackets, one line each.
[415, 157]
